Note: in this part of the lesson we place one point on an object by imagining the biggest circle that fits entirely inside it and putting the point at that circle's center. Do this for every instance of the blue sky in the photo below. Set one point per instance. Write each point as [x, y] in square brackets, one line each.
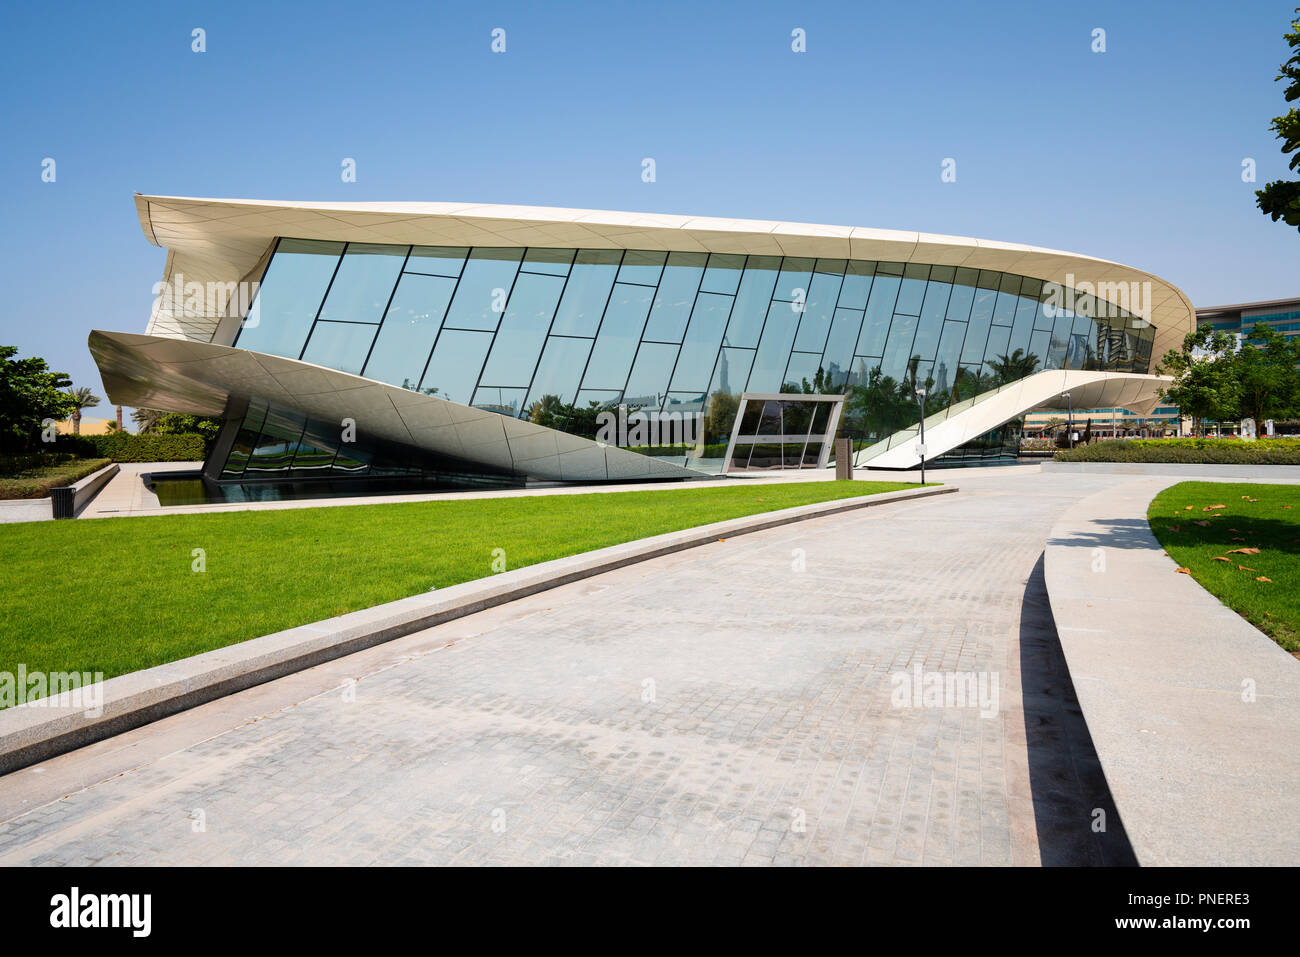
[1133, 154]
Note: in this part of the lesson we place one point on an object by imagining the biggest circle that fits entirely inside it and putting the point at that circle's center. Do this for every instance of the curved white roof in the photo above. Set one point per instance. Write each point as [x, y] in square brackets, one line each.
[223, 240]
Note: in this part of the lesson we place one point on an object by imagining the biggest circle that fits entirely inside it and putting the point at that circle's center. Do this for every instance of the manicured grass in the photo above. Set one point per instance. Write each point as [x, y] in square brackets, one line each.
[32, 476]
[118, 594]
[1276, 451]
[1266, 517]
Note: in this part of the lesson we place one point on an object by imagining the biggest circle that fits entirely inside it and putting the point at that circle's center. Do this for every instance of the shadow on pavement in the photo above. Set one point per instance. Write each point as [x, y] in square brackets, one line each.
[1065, 776]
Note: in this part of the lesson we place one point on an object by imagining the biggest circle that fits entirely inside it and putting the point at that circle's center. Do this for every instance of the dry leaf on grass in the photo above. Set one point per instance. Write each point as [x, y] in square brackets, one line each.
[1247, 568]
[1261, 578]
[1220, 558]
[1243, 551]
[1183, 571]
[1202, 523]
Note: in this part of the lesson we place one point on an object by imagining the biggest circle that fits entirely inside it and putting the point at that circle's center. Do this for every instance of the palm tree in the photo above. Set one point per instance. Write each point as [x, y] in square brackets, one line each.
[85, 399]
[146, 420]
[1013, 367]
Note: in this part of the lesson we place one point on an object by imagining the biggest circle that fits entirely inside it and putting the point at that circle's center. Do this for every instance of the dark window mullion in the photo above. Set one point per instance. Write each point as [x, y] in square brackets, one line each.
[383, 316]
[316, 318]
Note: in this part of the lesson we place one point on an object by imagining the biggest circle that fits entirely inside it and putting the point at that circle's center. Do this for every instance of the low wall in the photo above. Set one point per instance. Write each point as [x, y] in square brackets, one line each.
[66, 501]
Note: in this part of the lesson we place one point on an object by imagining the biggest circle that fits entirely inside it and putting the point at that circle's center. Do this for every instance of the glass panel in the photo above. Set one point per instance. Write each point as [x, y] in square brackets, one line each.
[752, 300]
[523, 330]
[643, 266]
[279, 440]
[363, 283]
[596, 399]
[963, 295]
[774, 350]
[932, 313]
[880, 310]
[560, 369]
[731, 372]
[898, 352]
[703, 336]
[620, 331]
[996, 358]
[455, 364]
[801, 375]
[351, 461]
[245, 440]
[316, 448]
[792, 283]
[1008, 297]
[676, 296]
[587, 292]
[484, 286]
[409, 329]
[502, 401]
[1023, 324]
[554, 262]
[912, 292]
[981, 315]
[648, 382]
[723, 274]
[437, 260]
[816, 322]
[857, 283]
[839, 346]
[289, 296]
[1038, 346]
[948, 357]
[340, 345]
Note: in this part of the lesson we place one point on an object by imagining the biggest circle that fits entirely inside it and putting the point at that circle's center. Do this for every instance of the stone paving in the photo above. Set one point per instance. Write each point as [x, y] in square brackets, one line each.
[730, 704]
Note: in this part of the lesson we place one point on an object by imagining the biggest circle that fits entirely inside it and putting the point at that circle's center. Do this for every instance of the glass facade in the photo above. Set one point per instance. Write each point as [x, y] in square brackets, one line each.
[557, 335]
[275, 443]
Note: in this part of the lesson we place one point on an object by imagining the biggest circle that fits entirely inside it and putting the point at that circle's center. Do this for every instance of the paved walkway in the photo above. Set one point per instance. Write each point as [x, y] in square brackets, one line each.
[730, 704]
[1194, 713]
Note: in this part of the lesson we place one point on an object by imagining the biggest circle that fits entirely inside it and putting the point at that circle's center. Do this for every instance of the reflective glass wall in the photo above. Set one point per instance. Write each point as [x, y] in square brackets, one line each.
[557, 335]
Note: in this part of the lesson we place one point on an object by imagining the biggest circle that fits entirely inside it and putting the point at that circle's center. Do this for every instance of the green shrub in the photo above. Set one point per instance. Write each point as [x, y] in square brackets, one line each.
[34, 474]
[130, 447]
[1281, 451]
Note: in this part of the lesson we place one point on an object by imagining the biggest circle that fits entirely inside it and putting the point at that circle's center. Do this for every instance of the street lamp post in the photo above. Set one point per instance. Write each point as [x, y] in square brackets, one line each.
[920, 397]
[1069, 418]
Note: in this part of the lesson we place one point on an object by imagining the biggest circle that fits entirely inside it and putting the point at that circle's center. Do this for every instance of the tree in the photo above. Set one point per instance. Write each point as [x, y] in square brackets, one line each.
[85, 399]
[1205, 385]
[1015, 366]
[155, 422]
[1268, 381]
[1281, 198]
[29, 394]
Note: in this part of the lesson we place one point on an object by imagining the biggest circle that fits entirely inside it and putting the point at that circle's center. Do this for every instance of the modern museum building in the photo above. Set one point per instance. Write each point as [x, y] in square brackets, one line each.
[502, 344]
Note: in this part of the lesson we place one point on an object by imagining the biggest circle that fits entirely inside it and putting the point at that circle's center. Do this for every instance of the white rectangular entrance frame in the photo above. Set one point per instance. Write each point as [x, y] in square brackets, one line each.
[824, 438]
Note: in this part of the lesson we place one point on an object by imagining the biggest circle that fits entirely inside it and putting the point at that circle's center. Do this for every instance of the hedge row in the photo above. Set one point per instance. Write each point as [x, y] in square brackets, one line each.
[32, 476]
[1188, 451]
[129, 447]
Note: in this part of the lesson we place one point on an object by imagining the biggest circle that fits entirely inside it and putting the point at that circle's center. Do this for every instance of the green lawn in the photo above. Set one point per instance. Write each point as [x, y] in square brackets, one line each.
[1264, 517]
[118, 594]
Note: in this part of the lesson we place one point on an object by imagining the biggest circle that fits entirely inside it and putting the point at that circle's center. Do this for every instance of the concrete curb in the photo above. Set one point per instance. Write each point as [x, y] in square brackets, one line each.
[1241, 473]
[66, 501]
[1201, 773]
[37, 731]
[76, 496]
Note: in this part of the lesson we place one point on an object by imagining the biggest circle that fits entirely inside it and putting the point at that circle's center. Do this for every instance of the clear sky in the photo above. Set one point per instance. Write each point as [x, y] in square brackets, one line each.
[1134, 154]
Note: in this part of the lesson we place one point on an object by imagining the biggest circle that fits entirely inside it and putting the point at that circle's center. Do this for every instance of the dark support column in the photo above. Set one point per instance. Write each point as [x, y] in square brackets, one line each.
[843, 459]
[233, 417]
